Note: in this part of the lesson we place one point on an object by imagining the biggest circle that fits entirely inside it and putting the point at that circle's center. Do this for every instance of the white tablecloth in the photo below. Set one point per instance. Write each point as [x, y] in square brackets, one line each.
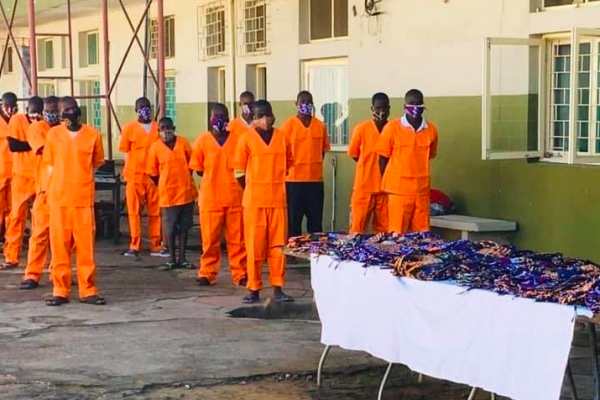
[509, 346]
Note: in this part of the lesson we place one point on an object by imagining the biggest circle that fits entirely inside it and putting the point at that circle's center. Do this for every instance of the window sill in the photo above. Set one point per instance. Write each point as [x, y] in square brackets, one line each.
[339, 149]
[563, 161]
[565, 7]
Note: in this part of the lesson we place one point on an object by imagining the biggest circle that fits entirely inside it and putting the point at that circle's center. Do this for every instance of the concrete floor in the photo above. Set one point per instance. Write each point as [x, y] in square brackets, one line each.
[160, 337]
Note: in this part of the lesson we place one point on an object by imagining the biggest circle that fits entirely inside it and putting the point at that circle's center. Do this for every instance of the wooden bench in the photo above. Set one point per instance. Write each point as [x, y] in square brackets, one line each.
[474, 228]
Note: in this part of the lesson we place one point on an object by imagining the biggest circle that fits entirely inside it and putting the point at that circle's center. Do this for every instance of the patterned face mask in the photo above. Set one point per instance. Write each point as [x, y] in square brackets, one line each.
[305, 108]
[415, 111]
[51, 118]
[247, 109]
[219, 123]
[144, 113]
[167, 135]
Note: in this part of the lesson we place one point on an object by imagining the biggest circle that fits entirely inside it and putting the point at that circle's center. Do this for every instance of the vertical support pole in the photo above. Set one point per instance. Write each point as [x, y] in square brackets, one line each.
[146, 40]
[70, 38]
[232, 58]
[32, 47]
[106, 48]
[161, 58]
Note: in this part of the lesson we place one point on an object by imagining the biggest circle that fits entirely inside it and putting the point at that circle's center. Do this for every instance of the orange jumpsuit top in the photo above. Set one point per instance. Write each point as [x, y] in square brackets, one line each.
[265, 166]
[73, 160]
[218, 188]
[367, 178]
[407, 172]
[175, 184]
[308, 146]
[36, 136]
[239, 126]
[24, 163]
[6, 157]
[136, 142]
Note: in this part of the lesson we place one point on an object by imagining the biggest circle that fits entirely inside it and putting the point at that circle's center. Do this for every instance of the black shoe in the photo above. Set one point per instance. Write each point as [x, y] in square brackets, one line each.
[203, 281]
[28, 284]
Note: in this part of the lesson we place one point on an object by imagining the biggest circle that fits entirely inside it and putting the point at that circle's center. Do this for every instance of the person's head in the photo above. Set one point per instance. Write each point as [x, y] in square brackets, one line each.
[219, 118]
[70, 113]
[143, 109]
[304, 103]
[247, 103]
[166, 129]
[263, 116]
[380, 106]
[9, 104]
[51, 110]
[35, 108]
[414, 103]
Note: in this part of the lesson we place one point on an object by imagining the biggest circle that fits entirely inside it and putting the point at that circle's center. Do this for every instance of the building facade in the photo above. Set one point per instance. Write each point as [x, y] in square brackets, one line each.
[495, 103]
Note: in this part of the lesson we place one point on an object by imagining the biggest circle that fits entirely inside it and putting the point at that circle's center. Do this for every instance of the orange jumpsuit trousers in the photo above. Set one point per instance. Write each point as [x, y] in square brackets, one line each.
[23, 191]
[72, 227]
[366, 206]
[212, 223]
[265, 231]
[5, 202]
[140, 195]
[408, 213]
[40, 238]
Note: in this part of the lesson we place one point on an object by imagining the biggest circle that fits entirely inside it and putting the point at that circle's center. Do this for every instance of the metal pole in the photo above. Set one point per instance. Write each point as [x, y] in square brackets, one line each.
[32, 47]
[321, 363]
[232, 58]
[7, 41]
[161, 58]
[70, 37]
[384, 380]
[107, 76]
[146, 39]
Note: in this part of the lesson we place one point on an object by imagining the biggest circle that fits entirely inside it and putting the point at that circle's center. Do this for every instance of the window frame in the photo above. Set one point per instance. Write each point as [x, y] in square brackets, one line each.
[332, 37]
[258, 80]
[169, 39]
[51, 53]
[243, 21]
[583, 3]
[87, 48]
[203, 37]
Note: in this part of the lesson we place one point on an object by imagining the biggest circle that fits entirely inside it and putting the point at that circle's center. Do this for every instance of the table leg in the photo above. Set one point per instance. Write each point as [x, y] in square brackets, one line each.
[571, 382]
[321, 363]
[594, 347]
[472, 394]
[384, 380]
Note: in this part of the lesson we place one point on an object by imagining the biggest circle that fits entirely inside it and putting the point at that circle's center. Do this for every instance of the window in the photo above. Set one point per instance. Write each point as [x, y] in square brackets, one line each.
[256, 80]
[554, 3]
[45, 48]
[327, 80]
[46, 89]
[254, 26]
[89, 48]
[328, 19]
[8, 62]
[169, 37]
[566, 106]
[221, 86]
[171, 98]
[91, 111]
[212, 19]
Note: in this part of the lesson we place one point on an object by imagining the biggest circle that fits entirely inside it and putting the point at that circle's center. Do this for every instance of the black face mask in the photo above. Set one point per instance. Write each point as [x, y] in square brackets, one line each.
[72, 117]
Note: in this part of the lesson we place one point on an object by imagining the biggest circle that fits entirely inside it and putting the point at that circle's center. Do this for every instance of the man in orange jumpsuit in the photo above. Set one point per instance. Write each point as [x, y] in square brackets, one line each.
[23, 181]
[367, 198]
[168, 166]
[262, 160]
[219, 200]
[73, 151]
[304, 183]
[136, 139]
[243, 123]
[405, 148]
[8, 109]
[40, 213]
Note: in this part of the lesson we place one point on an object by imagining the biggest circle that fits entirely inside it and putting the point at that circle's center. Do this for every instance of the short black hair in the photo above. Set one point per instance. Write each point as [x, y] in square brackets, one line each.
[51, 100]
[166, 120]
[414, 94]
[142, 102]
[262, 108]
[304, 93]
[9, 98]
[69, 99]
[380, 96]
[36, 103]
[220, 107]
[246, 95]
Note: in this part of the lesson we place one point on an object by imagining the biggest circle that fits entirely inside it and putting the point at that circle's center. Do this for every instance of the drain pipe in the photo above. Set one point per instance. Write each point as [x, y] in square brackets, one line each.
[333, 191]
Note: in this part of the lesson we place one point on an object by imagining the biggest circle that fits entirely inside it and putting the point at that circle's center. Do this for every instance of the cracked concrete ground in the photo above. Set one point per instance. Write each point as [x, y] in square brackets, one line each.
[162, 337]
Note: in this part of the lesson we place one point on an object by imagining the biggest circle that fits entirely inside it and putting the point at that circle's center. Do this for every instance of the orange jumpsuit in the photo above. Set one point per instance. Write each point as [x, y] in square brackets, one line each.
[175, 183]
[40, 215]
[239, 126]
[23, 189]
[265, 220]
[140, 190]
[6, 163]
[220, 205]
[73, 159]
[407, 176]
[368, 200]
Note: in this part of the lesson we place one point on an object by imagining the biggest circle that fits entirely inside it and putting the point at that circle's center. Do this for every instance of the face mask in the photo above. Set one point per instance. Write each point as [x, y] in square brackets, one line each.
[72, 117]
[305, 109]
[9, 110]
[144, 113]
[246, 109]
[51, 118]
[415, 111]
[33, 116]
[380, 116]
[218, 123]
[167, 135]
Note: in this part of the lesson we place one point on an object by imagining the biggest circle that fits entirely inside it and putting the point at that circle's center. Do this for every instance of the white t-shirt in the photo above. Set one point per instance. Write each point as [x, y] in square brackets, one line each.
[146, 126]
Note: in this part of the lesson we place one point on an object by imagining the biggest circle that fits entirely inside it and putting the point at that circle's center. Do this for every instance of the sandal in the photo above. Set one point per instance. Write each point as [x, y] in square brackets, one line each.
[28, 284]
[186, 264]
[251, 298]
[8, 265]
[56, 301]
[170, 266]
[93, 300]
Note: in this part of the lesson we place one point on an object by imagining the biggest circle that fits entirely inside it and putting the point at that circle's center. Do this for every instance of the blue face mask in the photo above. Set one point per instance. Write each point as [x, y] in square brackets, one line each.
[144, 113]
[305, 109]
[219, 123]
[415, 111]
[51, 118]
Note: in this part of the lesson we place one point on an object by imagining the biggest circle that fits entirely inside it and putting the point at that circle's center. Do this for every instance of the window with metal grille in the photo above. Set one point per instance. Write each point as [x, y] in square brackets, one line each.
[328, 19]
[169, 37]
[212, 19]
[255, 26]
[556, 3]
[171, 98]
